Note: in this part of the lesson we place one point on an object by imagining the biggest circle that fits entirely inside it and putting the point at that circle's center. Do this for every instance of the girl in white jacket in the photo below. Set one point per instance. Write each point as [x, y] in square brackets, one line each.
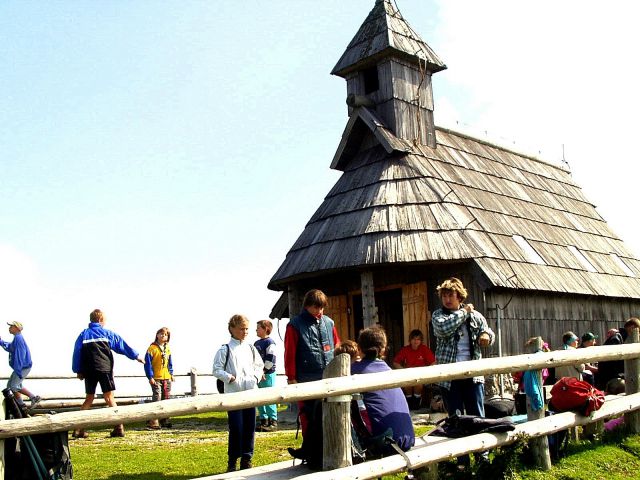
[240, 367]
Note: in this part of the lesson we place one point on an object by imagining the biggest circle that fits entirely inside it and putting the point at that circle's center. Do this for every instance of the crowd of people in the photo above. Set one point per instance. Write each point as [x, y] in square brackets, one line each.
[311, 342]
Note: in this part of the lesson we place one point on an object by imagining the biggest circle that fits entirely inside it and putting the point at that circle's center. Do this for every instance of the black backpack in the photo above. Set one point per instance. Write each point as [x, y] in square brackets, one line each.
[53, 449]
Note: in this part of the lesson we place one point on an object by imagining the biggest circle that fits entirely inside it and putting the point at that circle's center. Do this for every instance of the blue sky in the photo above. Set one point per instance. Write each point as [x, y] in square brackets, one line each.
[158, 160]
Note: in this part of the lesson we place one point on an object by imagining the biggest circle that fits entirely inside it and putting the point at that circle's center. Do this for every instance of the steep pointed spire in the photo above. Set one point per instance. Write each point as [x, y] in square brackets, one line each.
[385, 32]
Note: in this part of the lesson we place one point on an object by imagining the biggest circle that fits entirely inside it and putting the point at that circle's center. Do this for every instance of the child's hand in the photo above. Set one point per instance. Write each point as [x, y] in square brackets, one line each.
[232, 379]
[173, 378]
[152, 381]
[140, 359]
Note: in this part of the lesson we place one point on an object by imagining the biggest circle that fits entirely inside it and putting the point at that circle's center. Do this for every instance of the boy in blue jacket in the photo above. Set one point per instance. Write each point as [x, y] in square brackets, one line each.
[93, 363]
[20, 363]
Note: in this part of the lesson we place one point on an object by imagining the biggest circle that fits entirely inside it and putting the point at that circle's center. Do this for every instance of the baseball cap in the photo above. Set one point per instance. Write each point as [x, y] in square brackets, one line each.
[588, 336]
[16, 324]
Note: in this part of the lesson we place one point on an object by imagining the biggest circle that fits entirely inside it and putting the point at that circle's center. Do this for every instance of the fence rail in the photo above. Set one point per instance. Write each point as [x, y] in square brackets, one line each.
[331, 387]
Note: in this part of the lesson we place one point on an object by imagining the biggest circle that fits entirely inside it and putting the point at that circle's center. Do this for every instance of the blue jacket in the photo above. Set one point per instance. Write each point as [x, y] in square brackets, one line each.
[92, 350]
[19, 354]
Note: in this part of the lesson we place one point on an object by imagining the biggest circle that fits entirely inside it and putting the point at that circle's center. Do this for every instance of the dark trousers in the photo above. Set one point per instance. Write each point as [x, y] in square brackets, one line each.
[242, 427]
[465, 396]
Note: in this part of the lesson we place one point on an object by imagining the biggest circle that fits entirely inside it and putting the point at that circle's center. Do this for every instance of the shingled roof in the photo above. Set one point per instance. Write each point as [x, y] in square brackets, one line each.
[383, 30]
[523, 221]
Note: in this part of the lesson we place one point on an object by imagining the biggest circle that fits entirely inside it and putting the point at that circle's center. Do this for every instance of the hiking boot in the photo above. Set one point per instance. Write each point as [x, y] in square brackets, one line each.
[231, 465]
[118, 431]
[245, 462]
[153, 425]
[79, 434]
[273, 425]
[262, 425]
[296, 453]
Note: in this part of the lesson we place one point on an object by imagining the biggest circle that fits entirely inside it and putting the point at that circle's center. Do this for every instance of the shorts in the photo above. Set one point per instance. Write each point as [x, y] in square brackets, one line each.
[15, 382]
[105, 379]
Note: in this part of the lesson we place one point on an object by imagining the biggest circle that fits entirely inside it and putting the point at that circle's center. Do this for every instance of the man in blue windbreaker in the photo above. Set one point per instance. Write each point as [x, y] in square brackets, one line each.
[93, 363]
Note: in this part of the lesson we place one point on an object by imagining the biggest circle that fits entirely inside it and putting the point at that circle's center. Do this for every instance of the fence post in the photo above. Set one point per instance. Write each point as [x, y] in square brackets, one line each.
[539, 445]
[632, 385]
[336, 419]
[193, 376]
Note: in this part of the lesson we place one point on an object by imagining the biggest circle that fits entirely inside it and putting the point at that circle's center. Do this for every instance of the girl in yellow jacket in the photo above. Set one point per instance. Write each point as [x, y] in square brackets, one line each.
[159, 370]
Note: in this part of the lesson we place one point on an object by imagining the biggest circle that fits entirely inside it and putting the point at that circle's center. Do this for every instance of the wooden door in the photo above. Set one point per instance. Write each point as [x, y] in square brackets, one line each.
[415, 310]
[338, 310]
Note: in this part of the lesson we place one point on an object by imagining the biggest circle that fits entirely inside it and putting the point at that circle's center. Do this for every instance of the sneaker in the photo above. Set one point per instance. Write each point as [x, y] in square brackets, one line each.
[118, 431]
[79, 434]
[231, 466]
[273, 425]
[245, 463]
[35, 400]
[153, 425]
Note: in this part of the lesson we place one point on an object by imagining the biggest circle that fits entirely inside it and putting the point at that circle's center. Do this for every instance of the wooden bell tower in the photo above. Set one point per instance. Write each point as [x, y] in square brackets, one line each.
[388, 69]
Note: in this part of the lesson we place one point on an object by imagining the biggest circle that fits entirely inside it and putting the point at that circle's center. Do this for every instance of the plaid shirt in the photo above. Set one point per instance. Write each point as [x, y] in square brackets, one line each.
[446, 325]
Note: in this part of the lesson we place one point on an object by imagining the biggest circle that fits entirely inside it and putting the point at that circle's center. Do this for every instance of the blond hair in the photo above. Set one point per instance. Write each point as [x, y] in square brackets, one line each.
[237, 320]
[452, 284]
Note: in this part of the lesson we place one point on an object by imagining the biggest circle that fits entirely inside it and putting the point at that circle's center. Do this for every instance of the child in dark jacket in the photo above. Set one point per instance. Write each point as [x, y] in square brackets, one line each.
[266, 346]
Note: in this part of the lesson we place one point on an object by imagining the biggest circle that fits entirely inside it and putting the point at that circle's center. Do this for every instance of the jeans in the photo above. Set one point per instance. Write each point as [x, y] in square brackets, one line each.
[464, 396]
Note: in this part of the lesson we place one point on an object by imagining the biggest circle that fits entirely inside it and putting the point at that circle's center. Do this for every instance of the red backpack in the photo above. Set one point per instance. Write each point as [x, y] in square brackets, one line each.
[569, 393]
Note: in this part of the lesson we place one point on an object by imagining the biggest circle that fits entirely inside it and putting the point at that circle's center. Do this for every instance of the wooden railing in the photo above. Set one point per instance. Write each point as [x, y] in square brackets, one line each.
[344, 385]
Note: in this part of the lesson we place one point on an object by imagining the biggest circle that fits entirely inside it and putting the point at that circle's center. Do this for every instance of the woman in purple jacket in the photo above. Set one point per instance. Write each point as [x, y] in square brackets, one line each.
[387, 409]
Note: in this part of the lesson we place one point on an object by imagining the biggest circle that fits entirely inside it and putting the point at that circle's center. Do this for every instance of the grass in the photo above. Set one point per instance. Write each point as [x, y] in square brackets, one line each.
[197, 447]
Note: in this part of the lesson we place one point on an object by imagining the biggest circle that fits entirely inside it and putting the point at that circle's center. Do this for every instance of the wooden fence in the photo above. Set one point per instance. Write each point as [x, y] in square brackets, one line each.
[331, 388]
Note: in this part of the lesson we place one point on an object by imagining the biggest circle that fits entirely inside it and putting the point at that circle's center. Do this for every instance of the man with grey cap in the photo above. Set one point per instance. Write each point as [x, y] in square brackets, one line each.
[20, 363]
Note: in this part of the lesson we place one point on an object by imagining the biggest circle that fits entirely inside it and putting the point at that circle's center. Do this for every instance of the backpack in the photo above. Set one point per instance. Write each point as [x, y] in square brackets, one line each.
[53, 449]
[366, 445]
[569, 393]
[499, 407]
[220, 383]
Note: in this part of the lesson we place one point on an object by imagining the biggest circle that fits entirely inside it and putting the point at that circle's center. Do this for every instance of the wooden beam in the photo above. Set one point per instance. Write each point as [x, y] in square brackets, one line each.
[336, 419]
[369, 309]
[295, 300]
[632, 384]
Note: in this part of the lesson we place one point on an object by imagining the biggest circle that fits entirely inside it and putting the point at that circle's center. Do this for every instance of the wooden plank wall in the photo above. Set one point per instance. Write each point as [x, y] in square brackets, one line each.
[550, 316]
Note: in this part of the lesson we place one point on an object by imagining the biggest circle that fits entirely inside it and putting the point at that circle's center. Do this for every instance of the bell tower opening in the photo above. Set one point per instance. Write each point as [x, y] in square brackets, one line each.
[371, 81]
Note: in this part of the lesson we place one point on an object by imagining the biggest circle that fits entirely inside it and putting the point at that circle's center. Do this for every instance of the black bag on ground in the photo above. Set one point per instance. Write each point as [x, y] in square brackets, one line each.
[53, 449]
[499, 407]
[457, 426]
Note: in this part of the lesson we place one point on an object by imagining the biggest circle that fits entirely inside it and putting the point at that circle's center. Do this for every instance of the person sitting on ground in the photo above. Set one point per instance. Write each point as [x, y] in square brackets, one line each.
[386, 409]
[415, 354]
[569, 342]
[350, 348]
